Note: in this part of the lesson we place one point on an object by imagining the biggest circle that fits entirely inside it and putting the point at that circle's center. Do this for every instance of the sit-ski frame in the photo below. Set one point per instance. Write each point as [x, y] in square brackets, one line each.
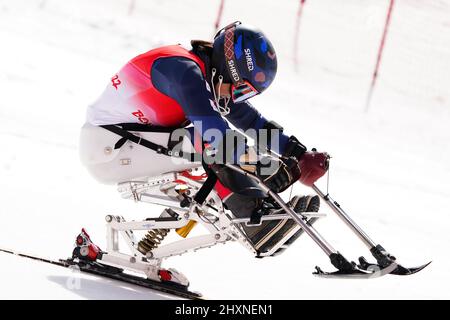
[220, 225]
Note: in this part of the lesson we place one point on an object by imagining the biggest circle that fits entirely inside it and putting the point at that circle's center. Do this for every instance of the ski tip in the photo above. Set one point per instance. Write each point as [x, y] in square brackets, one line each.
[403, 271]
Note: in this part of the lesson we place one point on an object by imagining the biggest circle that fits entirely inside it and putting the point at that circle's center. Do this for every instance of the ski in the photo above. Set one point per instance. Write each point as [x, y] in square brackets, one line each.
[357, 273]
[103, 270]
[366, 270]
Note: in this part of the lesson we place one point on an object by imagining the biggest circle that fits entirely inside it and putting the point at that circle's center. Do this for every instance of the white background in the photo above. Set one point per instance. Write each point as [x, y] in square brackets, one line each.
[390, 167]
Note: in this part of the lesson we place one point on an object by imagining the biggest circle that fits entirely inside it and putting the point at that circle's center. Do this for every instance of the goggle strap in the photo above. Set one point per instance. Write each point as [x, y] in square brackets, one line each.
[230, 59]
[231, 25]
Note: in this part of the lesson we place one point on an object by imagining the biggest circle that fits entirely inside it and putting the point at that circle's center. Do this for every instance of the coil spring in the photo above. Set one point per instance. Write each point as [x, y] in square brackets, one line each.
[152, 240]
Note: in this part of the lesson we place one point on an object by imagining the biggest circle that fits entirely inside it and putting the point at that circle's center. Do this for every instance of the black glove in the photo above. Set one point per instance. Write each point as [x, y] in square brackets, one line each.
[287, 167]
[294, 148]
[278, 173]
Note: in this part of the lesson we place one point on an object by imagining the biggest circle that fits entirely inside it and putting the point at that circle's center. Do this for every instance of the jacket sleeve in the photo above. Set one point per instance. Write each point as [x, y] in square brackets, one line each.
[245, 117]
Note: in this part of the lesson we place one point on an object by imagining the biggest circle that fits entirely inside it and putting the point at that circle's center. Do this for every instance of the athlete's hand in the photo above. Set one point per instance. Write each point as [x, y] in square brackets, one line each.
[277, 173]
[286, 174]
[313, 165]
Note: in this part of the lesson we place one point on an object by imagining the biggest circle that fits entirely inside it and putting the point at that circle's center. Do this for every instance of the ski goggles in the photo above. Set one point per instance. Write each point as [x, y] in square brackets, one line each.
[241, 89]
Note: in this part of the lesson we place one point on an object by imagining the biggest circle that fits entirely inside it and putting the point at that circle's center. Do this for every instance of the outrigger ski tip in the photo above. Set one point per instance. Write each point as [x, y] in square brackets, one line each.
[402, 271]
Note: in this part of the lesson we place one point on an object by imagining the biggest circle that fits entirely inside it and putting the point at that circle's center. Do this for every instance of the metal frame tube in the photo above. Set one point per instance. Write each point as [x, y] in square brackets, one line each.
[318, 239]
[346, 218]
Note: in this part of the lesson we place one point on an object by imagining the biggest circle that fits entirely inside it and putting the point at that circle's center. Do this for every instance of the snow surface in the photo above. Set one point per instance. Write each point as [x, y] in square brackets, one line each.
[390, 167]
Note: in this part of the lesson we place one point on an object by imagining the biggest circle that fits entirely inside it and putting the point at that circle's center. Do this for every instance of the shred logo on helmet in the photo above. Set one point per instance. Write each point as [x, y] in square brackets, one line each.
[233, 71]
[244, 57]
[248, 56]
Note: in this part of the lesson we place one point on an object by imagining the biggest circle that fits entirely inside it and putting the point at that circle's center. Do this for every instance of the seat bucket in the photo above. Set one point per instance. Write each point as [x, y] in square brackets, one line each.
[131, 161]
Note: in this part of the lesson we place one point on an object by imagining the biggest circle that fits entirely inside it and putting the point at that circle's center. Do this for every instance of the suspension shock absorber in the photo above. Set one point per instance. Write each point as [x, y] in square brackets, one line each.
[152, 240]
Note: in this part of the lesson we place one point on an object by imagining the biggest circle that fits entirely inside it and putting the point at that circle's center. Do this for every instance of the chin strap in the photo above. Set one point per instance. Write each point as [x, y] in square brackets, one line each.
[223, 110]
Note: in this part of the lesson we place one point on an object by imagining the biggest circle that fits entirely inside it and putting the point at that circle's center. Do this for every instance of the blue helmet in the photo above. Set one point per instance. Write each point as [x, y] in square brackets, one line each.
[245, 58]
